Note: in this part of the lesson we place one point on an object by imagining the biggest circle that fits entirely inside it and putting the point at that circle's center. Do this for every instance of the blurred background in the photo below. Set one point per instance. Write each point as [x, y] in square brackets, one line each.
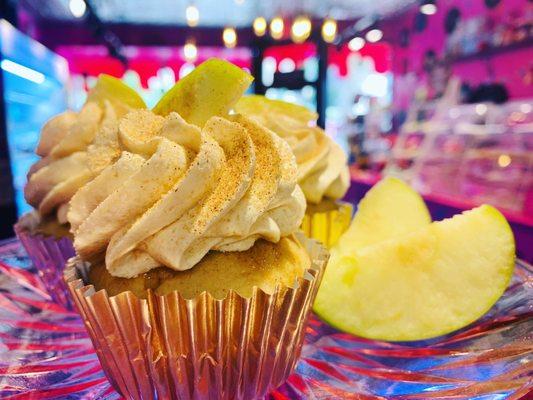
[437, 92]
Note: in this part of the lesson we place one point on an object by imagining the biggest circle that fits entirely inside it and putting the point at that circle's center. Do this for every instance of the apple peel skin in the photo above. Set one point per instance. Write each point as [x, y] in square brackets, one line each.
[431, 282]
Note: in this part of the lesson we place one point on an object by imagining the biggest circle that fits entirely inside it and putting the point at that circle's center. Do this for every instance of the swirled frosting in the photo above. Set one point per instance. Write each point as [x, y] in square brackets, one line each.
[74, 147]
[322, 164]
[179, 191]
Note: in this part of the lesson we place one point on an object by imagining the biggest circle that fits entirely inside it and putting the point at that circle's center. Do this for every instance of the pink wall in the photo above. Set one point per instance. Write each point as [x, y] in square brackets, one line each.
[513, 68]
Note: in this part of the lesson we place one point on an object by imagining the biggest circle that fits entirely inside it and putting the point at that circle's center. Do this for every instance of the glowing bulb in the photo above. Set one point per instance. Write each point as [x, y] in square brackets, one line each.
[329, 30]
[504, 160]
[192, 15]
[428, 9]
[229, 36]
[481, 109]
[77, 8]
[356, 44]
[190, 51]
[276, 28]
[301, 29]
[526, 108]
[374, 35]
[22, 71]
[287, 65]
[260, 26]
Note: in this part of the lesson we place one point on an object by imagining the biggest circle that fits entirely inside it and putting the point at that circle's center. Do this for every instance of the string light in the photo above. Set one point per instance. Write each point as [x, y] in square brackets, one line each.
[192, 15]
[356, 44]
[301, 29]
[260, 26]
[329, 30]
[504, 160]
[190, 51]
[229, 36]
[77, 8]
[276, 28]
[481, 109]
[374, 35]
[22, 71]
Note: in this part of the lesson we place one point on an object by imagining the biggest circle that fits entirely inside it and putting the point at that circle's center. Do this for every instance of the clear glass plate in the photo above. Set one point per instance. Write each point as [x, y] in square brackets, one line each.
[46, 354]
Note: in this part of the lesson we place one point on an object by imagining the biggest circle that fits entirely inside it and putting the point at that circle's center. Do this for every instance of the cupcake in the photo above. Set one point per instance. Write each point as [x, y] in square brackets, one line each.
[191, 277]
[322, 165]
[74, 147]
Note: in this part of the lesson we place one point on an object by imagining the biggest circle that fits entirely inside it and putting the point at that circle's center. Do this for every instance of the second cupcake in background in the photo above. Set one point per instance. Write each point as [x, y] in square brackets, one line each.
[192, 235]
[322, 165]
[74, 147]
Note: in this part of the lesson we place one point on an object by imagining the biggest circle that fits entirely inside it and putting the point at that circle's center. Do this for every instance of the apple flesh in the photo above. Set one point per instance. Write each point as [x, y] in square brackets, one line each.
[258, 104]
[430, 282]
[391, 208]
[115, 91]
[211, 89]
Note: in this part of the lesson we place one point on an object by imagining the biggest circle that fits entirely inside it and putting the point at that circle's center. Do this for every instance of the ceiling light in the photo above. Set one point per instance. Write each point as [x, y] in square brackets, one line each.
[356, 44]
[192, 15]
[374, 35]
[301, 29]
[229, 36]
[276, 28]
[481, 109]
[22, 71]
[190, 51]
[287, 65]
[77, 8]
[504, 160]
[526, 108]
[428, 7]
[329, 30]
[260, 26]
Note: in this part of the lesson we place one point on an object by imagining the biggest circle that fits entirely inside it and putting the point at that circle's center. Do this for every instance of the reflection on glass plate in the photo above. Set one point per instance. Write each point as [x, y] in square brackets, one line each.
[46, 354]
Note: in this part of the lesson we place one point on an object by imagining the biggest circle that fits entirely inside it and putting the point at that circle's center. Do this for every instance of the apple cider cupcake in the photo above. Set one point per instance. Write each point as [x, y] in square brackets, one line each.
[74, 147]
[191, 277]
[322, 165]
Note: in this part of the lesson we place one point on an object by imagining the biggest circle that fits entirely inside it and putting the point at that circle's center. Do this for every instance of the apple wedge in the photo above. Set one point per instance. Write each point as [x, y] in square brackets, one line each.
[422, 285]
[391, 208]
[257, 104]
[212, 89]
[116, 91]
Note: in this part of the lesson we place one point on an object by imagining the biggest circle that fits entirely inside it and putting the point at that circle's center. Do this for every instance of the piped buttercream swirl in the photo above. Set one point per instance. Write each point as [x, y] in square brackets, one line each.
[74, 146]
[322, 165]
[178, 191]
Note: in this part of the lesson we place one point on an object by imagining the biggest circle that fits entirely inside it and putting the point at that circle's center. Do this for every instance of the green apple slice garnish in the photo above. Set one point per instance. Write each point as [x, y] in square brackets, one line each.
[115, 91]
[424, 284]
[211, 89]
[257, 104]
[391, 208]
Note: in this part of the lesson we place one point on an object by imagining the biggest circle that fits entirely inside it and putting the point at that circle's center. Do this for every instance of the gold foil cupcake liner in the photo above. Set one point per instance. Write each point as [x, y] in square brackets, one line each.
[328, 226]
[168, 347]
[49, 255]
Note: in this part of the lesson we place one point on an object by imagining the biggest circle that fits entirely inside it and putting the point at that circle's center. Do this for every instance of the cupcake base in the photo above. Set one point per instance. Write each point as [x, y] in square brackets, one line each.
[49, 255]
[201, 348]
[327, 221]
